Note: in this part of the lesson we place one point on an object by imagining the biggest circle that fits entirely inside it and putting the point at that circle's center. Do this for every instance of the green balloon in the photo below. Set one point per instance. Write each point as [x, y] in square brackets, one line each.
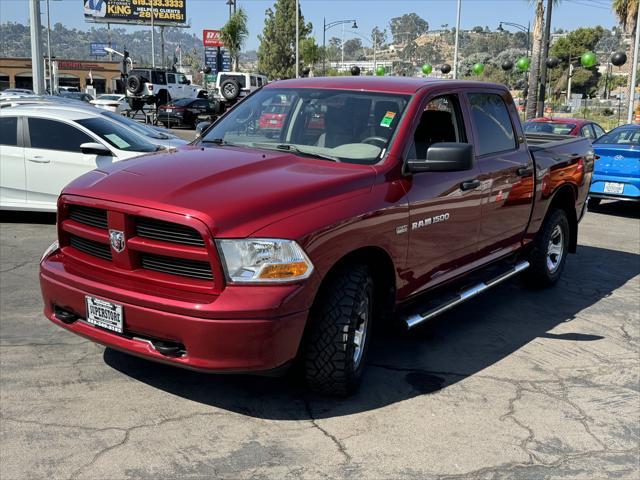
[588, 59]
[380, 70]
[427, 68]
[478, 68]
[523, 64]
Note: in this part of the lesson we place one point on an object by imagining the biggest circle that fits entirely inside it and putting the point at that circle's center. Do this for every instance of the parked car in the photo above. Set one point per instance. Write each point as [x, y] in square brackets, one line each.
[147, 86]
[576, 127]
[83, 97]
[246, 253]
[45, 147]
[22, 91]
[186, 112]
[66, 89]
[114, 102]
[617, 170]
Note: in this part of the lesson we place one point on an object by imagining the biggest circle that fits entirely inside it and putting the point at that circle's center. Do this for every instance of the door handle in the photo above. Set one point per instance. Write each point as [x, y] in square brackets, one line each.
[524, 171]
[469, 185]
[38, 159]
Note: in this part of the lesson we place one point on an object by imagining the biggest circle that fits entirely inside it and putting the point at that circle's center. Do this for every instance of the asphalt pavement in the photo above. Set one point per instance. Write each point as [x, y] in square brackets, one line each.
[515, 384]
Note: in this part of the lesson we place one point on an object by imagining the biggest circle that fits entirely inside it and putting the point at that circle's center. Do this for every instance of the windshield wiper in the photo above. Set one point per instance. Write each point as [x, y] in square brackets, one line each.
[217, 141]
[293, 148]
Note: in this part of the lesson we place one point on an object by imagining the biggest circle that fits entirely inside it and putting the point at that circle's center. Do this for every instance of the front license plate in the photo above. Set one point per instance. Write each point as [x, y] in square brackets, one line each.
[169, 110]
[613, 187]
[104, 314]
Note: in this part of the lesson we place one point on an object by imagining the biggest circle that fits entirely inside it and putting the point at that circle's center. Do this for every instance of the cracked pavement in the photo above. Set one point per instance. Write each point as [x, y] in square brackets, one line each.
[515, 384]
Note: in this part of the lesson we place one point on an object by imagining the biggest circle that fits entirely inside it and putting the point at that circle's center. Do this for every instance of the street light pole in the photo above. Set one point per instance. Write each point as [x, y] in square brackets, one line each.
[455, 51]
[153, 47]
[326, 26]
[297, 39]
[632, 87]
[545, 54]
[36, 51]
[51, 82]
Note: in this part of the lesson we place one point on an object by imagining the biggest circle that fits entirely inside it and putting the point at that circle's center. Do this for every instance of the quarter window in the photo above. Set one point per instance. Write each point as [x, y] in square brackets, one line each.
[171, 78]
[492, 123]
[54, 135]
[253, 81]
[9, 131]
[598, 129]
[586, 131]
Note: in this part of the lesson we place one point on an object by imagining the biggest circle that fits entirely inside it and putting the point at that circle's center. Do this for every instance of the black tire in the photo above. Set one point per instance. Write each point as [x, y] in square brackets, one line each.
[162, 98]
[593, 203]
[134, 84]
[545, 266]
[135, 103]
[333, 365]
[230, 89]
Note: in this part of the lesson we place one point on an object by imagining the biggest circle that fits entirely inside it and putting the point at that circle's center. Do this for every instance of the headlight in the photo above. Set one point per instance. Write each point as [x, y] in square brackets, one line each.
[50, 249]
[263, 260]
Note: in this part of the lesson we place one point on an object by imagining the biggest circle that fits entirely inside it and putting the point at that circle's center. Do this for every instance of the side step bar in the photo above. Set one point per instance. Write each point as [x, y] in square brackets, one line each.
[417, 318]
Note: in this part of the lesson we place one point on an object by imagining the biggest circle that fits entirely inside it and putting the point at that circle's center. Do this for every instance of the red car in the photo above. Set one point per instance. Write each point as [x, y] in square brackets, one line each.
[244, 253]
[576, 127]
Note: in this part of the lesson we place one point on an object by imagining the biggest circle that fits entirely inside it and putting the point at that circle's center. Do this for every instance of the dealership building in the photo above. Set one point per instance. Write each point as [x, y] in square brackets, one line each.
[16, 73]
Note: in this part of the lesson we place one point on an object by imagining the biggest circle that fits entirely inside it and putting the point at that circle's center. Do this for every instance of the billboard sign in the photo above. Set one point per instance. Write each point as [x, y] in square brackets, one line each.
[212, 38]
[215, 59]
[165, 12]
[98, 49]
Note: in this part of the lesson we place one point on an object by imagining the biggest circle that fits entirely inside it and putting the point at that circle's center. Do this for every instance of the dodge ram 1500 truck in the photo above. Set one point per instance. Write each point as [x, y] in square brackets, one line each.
[377, 200]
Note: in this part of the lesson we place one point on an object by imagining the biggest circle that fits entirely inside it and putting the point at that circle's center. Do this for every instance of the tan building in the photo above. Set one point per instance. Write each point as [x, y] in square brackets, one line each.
[16, 73]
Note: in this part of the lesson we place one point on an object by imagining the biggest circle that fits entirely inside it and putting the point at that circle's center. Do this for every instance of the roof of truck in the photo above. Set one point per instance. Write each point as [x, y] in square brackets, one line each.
[406, 85]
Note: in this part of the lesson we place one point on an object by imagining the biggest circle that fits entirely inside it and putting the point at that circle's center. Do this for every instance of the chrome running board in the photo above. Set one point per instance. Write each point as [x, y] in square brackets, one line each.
[417, 318]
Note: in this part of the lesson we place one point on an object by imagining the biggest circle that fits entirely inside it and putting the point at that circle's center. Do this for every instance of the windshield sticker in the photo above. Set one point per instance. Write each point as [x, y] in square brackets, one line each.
[387, 120]
[117, 141]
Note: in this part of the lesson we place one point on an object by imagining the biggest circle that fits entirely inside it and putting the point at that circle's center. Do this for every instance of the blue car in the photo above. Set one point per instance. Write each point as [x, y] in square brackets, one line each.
[617, 171]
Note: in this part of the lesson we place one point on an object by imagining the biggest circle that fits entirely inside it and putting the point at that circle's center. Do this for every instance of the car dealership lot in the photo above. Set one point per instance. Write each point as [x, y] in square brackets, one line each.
[514, 384]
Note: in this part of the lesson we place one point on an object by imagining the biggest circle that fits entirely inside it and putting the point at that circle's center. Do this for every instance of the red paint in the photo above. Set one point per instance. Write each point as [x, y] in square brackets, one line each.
[330, 209]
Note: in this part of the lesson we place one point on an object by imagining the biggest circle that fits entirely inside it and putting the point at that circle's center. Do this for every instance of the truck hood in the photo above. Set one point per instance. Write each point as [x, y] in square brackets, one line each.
[234, 190]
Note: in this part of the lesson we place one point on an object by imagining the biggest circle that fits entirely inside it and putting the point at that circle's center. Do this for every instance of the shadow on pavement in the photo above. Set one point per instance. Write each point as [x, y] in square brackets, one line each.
[618, 209]
[43, 218]
[457, 345]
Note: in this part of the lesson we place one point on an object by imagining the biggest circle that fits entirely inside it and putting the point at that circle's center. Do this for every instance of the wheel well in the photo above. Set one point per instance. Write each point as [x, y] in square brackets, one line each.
[383, 272]
[565, 199]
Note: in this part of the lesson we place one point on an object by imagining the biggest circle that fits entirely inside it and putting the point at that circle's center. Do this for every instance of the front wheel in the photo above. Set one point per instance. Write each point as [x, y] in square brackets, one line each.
[550, 250]
[339, 332]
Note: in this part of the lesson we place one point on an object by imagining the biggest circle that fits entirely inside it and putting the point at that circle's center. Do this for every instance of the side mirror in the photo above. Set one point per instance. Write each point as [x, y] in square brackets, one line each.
[95, 148]
[201, 127]
[444, 157]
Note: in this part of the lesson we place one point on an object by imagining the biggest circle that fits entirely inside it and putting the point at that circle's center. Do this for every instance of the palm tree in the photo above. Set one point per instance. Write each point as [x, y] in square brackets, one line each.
[532, 93]
[234, 34]
[627, 13]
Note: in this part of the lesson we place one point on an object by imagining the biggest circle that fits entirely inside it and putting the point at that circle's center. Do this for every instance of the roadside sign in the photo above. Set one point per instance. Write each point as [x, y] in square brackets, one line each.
[210, 78]
[212, 38]
[222, 64]
[98, 49]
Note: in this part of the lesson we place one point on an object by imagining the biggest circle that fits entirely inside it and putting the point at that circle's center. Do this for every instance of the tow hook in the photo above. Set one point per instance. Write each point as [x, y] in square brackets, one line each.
[169, 349]
[65, 316]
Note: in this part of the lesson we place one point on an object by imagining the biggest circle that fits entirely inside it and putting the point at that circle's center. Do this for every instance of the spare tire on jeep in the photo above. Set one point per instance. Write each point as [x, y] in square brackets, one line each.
[135, 84]
[230, 89]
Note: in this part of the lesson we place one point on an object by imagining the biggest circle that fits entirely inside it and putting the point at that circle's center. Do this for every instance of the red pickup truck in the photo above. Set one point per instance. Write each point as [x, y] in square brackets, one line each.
[247, 251]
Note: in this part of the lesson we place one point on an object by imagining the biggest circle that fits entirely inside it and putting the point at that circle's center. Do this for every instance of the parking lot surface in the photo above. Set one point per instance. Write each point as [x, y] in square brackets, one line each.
[515, 384]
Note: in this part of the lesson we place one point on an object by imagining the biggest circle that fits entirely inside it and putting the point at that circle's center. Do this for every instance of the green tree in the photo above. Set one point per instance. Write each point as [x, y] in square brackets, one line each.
[407, 27]
[536, 50]
[627, 13]
[310, 52]
[233, 35]
[276, 54]
[378, 37]
[352, 49]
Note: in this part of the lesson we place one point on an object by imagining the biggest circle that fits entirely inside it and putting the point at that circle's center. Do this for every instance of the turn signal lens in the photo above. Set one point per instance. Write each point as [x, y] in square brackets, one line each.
[284, 270]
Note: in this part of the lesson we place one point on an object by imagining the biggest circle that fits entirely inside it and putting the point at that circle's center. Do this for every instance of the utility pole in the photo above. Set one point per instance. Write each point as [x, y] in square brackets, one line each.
[455, 51]
[153, 47]
[632, 87]
[543, 63]
[162, 44]
[297, 39]
[36, 50]
[342, 48]
[51, 82]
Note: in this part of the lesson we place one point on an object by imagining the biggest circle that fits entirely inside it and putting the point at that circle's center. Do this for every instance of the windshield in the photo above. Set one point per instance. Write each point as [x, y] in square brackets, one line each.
[183, 102]
[621, 136]
[141, 128]
[110, 97]
[117, 136]
[549, 127]
[348, 126]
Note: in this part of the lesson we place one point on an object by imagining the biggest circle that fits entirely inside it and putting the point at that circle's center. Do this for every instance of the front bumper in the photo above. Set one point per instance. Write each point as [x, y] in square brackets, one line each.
[233, 342]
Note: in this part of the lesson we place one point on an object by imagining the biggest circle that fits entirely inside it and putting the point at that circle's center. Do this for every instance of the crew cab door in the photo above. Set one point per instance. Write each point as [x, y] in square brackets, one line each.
[506, 169]
[53, 159]
[12, 176]
[175, 89]
[445, 207]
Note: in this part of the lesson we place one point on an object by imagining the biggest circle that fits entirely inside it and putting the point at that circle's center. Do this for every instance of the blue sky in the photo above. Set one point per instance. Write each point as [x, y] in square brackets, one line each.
[569, 14]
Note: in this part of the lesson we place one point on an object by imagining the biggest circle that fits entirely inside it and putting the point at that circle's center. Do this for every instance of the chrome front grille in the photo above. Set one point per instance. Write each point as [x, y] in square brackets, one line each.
[167, 232]
[94, 217]
[90, 247]
[177, 266]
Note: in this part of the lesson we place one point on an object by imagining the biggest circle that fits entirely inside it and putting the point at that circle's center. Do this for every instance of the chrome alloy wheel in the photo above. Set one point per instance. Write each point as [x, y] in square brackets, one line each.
[362, 327]
[555, 249]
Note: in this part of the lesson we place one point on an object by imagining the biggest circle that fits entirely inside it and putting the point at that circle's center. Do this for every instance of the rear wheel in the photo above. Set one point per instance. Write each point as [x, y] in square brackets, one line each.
[549, 253]
[340, 328]
[593, 203]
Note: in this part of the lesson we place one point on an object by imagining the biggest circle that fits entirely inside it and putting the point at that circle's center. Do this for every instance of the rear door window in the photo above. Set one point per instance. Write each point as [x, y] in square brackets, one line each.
[158, 77]
[54, 135]
[492, 124]
[171, 78]
[598, 130]
[587, 132]
[9, 131]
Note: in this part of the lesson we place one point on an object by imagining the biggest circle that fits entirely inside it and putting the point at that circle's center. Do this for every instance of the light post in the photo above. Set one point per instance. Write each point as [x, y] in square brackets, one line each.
[297, 39]
[326, 26]
[522, 28]
[455, 49]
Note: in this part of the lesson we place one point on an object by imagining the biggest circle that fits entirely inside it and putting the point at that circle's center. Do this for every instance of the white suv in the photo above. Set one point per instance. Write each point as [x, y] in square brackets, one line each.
[230, 86]
[157, 86]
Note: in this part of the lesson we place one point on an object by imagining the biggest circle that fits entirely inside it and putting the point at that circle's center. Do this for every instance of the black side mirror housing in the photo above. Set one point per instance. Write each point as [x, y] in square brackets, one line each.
[95, 148]
[201, 127]
[444, 157]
